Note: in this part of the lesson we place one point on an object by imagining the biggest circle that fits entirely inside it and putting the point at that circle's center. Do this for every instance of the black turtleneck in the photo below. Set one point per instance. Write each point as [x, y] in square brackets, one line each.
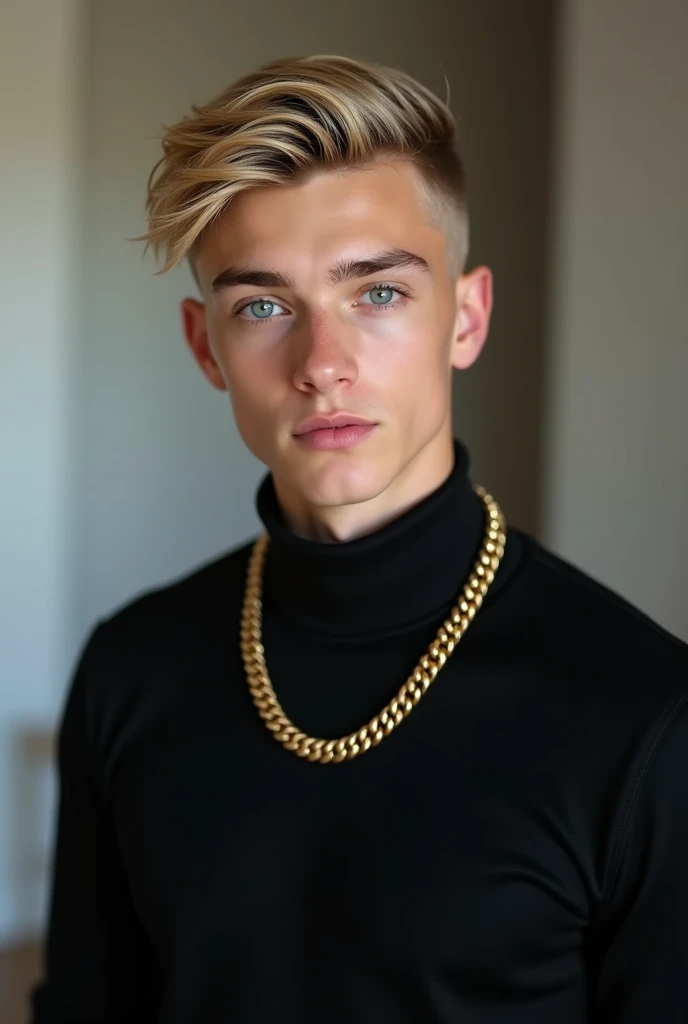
[363, 588]
[514, 853]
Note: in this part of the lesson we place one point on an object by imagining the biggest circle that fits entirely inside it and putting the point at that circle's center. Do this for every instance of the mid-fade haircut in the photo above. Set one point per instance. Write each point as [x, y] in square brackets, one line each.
[289, 119]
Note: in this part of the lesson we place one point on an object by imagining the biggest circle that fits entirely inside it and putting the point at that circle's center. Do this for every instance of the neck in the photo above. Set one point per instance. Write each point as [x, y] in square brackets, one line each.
[420, 477]
[399, 576]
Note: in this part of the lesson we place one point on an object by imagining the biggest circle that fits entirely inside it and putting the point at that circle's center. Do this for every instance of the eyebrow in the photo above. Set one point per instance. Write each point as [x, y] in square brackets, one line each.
[343, 270]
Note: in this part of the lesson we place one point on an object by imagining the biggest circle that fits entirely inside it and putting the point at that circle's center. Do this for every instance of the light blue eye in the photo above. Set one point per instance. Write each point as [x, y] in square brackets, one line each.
[262, 308]
[381, 296]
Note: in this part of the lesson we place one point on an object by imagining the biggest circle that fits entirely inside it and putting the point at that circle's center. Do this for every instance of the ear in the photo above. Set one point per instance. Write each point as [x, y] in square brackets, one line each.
[474, 306]
[196, 334]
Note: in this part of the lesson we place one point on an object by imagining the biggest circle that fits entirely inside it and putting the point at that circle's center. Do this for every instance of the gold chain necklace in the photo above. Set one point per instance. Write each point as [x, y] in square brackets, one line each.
[417, 684]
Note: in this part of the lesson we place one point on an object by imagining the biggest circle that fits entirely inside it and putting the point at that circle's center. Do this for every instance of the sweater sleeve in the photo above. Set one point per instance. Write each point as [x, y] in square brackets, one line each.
[98, 964]
[640, 964]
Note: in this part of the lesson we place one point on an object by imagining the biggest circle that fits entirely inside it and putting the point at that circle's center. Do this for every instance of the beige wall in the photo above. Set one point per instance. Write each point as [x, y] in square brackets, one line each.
[617, 470]
[40, 87]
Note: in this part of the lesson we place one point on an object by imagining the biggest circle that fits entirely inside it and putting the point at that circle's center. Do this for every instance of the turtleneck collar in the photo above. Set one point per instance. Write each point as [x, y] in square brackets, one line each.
[403, 575]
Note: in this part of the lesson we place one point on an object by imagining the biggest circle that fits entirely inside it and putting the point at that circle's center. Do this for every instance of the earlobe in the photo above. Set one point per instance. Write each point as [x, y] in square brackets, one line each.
[474, 306]
[194, 329]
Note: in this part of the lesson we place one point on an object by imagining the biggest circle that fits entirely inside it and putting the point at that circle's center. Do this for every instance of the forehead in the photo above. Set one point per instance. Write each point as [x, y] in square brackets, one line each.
[333, 213]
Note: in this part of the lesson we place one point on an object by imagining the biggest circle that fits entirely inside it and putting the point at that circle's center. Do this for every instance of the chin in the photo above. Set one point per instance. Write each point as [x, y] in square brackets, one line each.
[341, 479]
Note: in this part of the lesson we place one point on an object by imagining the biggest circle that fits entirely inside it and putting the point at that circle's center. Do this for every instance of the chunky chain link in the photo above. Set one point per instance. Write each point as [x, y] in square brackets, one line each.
[418, 683]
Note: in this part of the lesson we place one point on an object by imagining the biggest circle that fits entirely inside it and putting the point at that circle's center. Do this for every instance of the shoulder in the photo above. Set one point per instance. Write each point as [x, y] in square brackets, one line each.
[615, 679]
[163, 641]
[598, 655]
[175, 617]
[593, 616]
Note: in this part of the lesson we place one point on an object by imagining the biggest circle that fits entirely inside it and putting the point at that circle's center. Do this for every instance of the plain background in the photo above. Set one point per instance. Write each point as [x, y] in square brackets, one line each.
[120, 467]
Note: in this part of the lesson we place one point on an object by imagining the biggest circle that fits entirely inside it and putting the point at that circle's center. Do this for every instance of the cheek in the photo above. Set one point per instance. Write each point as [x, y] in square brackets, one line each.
[250, 417]
[408, 361]
[244, 373]
[248, 394]
[412, 376]
[256, 391]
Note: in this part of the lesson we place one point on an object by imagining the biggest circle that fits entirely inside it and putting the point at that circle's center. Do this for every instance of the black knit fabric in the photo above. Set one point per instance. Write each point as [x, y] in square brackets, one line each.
[514, 853]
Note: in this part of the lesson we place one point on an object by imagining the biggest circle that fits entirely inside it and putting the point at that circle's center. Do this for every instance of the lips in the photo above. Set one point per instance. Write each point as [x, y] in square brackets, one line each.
[334, 422]
[337, 432]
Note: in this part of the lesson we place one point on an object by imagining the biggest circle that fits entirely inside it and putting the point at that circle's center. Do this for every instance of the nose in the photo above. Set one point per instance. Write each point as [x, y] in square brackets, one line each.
[325, 360]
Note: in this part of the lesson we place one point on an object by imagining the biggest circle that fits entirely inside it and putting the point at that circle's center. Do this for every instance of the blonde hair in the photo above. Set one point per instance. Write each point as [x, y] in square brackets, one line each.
[293, 117]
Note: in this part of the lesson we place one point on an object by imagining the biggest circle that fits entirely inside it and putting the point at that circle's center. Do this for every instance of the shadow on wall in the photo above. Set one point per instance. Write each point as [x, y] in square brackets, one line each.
[19, 971]
[32, 781]
[33, 789]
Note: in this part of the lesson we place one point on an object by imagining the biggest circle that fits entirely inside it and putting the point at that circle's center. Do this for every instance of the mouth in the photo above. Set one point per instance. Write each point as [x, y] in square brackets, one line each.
[339, 431]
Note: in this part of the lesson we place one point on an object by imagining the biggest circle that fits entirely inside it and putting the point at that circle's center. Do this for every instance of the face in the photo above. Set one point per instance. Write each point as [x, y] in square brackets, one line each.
[333, 301]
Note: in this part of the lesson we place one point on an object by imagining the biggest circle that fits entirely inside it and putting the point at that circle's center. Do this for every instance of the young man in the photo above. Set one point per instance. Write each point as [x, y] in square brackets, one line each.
[394, 762]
